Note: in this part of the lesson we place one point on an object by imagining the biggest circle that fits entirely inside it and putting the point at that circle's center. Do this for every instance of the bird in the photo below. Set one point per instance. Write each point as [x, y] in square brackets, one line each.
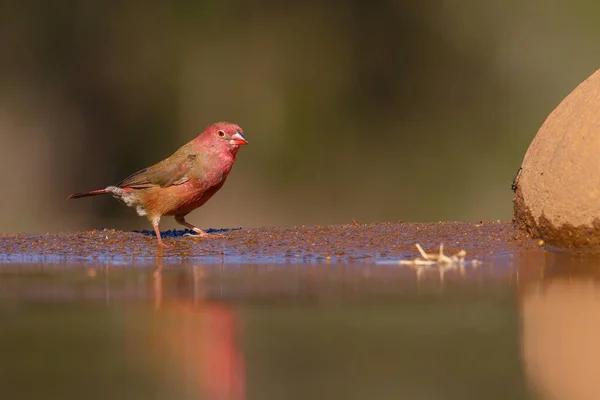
[182, 182]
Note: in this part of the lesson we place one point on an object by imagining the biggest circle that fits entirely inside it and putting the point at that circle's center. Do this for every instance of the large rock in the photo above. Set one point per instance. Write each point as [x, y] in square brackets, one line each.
[558, 188]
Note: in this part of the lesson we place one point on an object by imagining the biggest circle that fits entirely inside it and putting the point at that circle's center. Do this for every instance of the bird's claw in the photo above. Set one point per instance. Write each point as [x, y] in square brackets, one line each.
[202, 235]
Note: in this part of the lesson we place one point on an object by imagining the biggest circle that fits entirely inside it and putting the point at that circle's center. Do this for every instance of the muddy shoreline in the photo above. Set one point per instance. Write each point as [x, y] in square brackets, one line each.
[334, 243]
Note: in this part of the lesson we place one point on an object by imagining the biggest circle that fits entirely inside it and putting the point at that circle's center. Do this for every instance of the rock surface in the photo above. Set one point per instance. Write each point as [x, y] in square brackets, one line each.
[558, 188]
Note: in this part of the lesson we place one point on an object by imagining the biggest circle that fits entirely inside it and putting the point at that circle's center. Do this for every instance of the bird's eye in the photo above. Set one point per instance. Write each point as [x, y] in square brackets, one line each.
[221, 133]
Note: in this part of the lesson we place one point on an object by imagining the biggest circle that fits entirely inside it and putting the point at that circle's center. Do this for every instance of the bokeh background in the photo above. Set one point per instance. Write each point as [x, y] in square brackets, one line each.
[355, 110]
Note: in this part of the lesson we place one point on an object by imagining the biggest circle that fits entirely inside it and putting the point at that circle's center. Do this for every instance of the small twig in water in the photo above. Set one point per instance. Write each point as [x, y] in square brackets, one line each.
[439, 259]
[423, 254]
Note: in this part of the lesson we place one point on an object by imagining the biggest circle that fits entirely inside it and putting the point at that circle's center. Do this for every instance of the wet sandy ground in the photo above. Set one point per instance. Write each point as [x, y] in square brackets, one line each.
[338, 243]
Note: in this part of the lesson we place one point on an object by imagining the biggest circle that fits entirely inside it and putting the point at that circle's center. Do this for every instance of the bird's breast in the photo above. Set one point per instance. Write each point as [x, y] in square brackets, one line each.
[196, 191]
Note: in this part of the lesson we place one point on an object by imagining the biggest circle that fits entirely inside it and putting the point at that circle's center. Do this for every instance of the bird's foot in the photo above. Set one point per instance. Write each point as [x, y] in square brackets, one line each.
[200, 234]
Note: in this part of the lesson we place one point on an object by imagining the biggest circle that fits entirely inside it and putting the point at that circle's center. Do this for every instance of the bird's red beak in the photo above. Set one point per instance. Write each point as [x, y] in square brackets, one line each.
[238, 138]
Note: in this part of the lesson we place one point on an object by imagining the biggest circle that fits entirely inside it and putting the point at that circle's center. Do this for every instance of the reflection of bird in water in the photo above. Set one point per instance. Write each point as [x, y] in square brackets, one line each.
[198, 337]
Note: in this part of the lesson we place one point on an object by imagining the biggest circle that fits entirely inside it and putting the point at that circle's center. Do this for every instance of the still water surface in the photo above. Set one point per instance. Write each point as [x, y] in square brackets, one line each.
[519, 326]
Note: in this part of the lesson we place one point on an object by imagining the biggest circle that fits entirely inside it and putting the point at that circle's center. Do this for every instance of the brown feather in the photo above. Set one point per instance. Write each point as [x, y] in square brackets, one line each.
[172, 171]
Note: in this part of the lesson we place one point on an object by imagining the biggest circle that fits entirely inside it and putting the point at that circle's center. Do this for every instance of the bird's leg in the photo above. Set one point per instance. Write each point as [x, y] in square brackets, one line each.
[155, 222]
[180, 219]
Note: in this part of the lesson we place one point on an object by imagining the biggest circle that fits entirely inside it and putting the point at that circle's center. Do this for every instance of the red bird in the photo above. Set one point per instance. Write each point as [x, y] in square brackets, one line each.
[182, 182]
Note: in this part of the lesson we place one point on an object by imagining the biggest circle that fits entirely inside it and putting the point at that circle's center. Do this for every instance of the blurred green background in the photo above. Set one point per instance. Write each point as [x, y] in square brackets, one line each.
[354, 110]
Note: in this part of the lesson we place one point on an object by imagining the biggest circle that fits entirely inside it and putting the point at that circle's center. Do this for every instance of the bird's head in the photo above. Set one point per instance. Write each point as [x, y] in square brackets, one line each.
[223, 137]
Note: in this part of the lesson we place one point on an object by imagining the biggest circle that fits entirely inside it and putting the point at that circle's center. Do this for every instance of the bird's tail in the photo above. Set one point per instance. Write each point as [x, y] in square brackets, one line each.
[86, 194]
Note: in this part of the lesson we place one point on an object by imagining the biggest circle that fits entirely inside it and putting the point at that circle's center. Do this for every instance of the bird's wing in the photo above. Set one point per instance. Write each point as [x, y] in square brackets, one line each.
[172, 171]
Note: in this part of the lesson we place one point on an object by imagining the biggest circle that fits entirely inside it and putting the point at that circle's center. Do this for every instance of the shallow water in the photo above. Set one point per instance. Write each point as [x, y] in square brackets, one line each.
[518, 326]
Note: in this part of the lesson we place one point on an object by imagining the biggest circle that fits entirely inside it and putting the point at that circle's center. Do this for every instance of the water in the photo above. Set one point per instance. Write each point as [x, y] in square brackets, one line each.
[518, 326]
